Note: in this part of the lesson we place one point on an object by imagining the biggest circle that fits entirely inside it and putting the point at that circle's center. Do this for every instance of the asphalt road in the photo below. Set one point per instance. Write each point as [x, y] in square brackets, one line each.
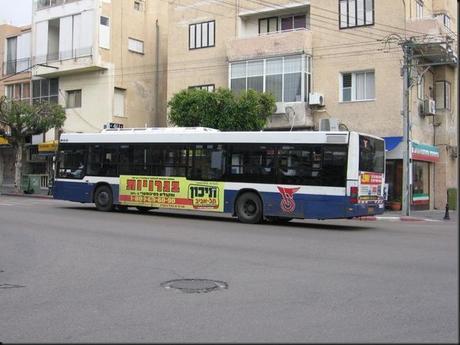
[69, 273]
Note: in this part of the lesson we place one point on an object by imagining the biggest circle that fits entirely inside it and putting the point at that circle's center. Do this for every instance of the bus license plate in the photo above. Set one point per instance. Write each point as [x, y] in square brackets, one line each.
[370, 209]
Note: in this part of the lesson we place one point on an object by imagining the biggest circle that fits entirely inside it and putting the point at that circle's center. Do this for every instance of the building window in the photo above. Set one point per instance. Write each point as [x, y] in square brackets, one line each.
[445, 19]
[73, 99]
[17, 54]
[419, 9]
[357, 86]
[202, 35]
[293, 22]
[104, 32]
[45, 90]
[267, 25]
[119, 102]
[421, 88]
[136, 46]
[20, 91]
[282, 77]
[442, 95]
[207, 87]
[354, 13]
[139, 5]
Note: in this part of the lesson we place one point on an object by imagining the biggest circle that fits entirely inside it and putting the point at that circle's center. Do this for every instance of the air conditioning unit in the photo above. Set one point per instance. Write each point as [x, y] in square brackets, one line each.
[326, 125]
[316, 99]
[429, 107]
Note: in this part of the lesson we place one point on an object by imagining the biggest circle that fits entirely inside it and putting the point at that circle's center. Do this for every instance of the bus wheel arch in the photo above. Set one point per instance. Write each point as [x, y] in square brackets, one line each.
[248, 206]
[103, 197]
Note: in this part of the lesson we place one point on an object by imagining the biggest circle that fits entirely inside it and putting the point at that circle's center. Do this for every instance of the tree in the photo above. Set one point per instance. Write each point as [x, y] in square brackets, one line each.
[221, 109]
[25, 119]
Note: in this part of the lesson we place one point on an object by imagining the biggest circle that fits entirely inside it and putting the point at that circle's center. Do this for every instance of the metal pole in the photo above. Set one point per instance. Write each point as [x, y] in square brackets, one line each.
[406, 192]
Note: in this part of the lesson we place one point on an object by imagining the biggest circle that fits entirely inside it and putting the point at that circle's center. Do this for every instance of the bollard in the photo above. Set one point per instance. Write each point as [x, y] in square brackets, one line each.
[446, 215]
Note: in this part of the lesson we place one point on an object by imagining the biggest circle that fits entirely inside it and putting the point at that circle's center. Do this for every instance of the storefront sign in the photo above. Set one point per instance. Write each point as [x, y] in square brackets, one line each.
[49, 146]
[4, 141]
[420, 199]
[171, 192]
[423, 152]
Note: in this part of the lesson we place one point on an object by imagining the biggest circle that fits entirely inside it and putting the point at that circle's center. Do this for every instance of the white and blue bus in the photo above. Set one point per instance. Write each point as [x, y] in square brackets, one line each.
[255, 176]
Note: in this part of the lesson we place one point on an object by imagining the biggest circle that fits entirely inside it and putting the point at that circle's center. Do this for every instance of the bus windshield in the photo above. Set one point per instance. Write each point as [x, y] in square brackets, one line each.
[371, 154]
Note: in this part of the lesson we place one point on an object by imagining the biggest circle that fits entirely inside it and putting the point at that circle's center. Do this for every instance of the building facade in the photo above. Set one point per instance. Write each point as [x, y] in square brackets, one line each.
[334, 64]
[102, 60]
[15, 82]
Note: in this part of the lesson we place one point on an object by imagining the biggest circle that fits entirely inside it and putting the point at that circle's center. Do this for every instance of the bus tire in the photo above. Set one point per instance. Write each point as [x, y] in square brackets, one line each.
[103, 198]
[278, 220]
[249, 208]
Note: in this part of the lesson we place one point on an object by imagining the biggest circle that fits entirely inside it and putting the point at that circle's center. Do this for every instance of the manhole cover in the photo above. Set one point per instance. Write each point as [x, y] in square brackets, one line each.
[10, 286]
[195, 285]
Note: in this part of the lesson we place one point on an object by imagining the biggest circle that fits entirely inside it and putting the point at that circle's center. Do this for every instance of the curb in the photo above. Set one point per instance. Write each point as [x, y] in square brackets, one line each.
[400, 218]
[411, 219]
[37, 196]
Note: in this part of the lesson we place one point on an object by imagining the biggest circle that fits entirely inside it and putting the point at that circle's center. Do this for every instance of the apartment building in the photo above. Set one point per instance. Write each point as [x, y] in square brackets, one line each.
[102, 60]
[334, 64]
[15, 82]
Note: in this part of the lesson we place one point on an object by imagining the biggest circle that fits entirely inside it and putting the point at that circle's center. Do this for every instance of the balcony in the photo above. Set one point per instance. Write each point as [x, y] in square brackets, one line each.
[66, 62]
[42, 4]
[437, 46]
[272, 44]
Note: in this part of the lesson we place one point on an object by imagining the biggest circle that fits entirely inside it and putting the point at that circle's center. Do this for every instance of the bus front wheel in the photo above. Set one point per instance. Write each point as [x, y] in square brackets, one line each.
[103, 198]
[249, 208]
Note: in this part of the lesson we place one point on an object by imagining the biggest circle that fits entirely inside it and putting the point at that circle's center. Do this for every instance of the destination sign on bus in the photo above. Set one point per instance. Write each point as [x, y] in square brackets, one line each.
[171, 192]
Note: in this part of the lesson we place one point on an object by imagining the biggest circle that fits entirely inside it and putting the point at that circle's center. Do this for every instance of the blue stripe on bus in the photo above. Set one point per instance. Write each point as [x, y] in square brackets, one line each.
[307, 205]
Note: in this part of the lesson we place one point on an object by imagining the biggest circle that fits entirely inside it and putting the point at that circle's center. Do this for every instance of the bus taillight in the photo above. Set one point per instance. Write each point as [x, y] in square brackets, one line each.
[354, 195]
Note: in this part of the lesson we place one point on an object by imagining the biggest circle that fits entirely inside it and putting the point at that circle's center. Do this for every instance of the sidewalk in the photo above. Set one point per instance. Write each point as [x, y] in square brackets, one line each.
[10, 191]
[426, 215]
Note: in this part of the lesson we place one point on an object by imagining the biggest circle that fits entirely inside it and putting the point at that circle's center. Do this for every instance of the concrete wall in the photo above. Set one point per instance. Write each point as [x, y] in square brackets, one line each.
[137, 73]
[96, 98]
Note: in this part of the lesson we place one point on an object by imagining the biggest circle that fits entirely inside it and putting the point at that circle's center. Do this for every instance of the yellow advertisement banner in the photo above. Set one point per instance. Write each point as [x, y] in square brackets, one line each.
[171, 192]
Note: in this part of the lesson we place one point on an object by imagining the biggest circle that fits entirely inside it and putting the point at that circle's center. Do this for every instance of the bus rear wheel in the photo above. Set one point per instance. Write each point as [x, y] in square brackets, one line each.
[249, 208]
[103, 198]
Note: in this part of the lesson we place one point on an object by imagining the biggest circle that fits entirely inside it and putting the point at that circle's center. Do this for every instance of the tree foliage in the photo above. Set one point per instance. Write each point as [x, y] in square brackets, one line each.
[25, 119]
[221, 109]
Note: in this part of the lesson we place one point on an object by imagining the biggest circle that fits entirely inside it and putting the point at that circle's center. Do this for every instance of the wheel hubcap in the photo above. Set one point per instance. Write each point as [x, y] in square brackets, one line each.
[249, 208]
[103, 198]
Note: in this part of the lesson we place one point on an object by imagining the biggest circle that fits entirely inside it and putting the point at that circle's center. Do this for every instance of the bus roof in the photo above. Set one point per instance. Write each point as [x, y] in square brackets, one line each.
[200, 135]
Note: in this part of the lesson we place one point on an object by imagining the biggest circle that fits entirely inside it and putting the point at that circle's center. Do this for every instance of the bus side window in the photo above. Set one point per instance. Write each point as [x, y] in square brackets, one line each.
[176, 160]
[299, 165]
[334, 165]
[208, 162]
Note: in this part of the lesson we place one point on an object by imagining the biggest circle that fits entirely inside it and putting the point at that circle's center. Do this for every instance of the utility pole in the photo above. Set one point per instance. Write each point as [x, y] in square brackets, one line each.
[407, 161]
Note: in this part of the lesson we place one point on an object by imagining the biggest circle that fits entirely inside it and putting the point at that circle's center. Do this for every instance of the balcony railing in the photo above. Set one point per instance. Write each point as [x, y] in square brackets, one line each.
[16, 66]
[42, 4]
[273, 44]
[280, 32]
[64, 55]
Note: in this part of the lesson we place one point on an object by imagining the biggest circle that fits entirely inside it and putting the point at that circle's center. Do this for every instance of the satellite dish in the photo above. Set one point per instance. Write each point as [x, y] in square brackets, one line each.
[290, 113]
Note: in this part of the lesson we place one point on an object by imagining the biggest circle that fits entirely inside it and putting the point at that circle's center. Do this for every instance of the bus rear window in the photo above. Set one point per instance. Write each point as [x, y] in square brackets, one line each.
[371, 154]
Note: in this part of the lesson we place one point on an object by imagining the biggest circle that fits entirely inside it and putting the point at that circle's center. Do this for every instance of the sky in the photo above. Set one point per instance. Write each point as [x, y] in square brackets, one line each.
[16, 12]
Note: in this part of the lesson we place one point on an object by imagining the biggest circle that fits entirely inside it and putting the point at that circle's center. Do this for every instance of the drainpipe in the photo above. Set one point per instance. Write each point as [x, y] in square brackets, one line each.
[157, 73]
